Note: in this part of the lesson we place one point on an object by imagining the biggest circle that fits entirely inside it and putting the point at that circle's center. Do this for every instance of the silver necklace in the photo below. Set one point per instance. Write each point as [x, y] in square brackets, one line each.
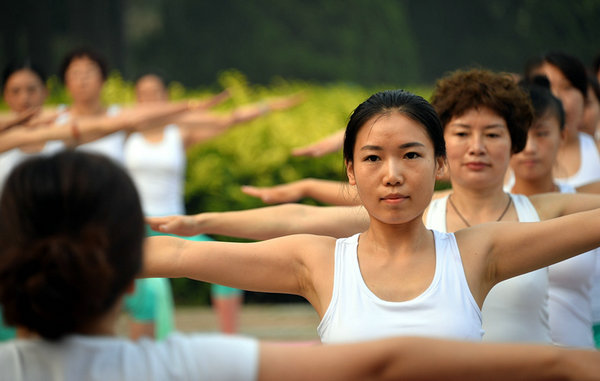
[464, 220]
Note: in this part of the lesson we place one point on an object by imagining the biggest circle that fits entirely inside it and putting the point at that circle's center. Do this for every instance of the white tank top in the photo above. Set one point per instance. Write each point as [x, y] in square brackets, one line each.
[109, 145]
[11, 158]
[158, 171]
[515, 310]
[589, 169]
[445, 309]
[570, 297]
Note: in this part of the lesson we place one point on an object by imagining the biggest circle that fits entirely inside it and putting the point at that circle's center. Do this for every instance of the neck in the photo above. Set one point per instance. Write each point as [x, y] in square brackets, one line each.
[89, 108]
[530, 187]
[472, 200]
[389, 238]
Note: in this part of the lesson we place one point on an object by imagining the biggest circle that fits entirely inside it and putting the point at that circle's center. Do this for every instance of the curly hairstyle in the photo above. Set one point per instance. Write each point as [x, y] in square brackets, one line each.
[461, 91]
[71, 233]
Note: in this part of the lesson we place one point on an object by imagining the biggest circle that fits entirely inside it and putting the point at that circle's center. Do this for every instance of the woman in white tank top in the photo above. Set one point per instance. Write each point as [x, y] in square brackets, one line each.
[394, 150]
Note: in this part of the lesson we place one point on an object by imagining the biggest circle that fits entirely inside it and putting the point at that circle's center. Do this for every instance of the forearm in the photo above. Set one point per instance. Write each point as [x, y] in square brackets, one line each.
[425, 359]
[276, 221]
[330, 192]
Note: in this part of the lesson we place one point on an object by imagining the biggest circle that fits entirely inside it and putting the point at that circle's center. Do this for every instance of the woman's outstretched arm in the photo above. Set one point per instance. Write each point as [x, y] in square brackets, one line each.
[327, 191]
[408, 358]
[269, 222]
[327, 145]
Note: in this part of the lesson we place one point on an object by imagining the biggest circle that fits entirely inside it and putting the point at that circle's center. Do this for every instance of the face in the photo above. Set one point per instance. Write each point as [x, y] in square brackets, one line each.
[394, 168]
[544, 138]
[571, 98]
[24, 90]
[83, 79]
[591, 113]
[478, 147]
[150, 89]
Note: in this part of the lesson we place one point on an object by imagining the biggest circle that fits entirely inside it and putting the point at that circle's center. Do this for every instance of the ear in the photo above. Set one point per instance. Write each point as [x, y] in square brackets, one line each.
[440, 170]
[563, 136]
[350, 172]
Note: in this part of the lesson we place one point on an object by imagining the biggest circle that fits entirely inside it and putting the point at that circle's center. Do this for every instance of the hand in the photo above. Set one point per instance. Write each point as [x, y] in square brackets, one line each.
[178, 225]
[327, 145]
[278, 194]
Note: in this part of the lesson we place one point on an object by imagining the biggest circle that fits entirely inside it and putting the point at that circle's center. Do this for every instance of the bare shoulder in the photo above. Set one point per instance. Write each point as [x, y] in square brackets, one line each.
[548, 205]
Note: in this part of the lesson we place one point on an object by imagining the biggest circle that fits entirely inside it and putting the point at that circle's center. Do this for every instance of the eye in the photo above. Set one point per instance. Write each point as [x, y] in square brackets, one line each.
[493, 135]
[542, 134]
[371, 158]
[462, 134]
[412, 155]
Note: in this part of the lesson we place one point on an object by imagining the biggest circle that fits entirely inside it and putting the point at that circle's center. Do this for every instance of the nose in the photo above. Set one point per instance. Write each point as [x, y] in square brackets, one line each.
[530, 145]
[476, 145]
[393, 173]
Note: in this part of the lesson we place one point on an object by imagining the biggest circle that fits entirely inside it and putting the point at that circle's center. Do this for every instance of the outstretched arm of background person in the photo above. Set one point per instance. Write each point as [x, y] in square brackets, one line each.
[78, 131]
[330, 192]
[331, 143]
[269, 222]
[493, 252]
[411, 359]
[202, 125]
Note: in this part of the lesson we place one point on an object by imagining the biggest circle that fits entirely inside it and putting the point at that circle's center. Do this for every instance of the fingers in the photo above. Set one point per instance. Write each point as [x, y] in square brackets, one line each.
[256, 192]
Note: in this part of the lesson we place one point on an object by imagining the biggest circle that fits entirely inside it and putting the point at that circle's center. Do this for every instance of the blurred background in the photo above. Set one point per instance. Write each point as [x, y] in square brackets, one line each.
[367, 42]
[336, 52]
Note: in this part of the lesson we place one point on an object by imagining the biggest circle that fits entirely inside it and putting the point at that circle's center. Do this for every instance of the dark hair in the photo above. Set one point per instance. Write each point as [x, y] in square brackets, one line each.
[386, 102]
[14, 67]
[571, 67]
[71, 233]
[594, 85]
[596, 65]
[542, 99]
[461, 91]
[83, 53]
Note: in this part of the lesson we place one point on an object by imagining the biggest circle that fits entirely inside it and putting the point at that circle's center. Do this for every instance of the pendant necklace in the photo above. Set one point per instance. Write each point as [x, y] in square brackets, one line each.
[464, 220]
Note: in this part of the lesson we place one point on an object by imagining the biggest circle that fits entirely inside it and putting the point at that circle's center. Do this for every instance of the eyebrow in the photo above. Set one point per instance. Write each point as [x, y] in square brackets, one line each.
[401, 146]
[496, 125]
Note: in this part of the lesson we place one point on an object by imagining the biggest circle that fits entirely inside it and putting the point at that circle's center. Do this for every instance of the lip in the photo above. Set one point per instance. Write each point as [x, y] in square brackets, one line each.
[476, 165]
[528, 162]
[394, 198]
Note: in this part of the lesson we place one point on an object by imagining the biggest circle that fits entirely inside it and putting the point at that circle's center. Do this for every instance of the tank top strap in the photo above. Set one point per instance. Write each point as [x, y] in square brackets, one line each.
[526, 212]
[436, 214]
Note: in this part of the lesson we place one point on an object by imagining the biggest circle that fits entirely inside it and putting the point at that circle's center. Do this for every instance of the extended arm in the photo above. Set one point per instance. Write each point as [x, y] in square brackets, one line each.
[202, 125]
[269, 222]
[498, 251]
[409, 359]
[330, 192]
[327, 145]
[278, 265]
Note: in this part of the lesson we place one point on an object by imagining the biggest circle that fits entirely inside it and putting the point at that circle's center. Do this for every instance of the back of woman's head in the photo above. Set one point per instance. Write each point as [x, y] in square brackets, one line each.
[461, 91]
[570, 66]
[71, 233]
[403, 102]
[542, 100]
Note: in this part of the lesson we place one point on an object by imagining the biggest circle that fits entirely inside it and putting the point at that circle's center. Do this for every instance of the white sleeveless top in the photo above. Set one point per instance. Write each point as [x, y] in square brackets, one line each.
[515, 310]
[589, 169]
[570, 304]
[158, 171]
[445, 309]
[109, 145]
[11, 158]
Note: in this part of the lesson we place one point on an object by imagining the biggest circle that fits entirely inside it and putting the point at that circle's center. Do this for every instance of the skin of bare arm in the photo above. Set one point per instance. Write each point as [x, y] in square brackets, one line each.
[493, 252]
[269, 222]
[409, 359]
[327, 145]
[327, 191]
[299, 264]
[590, 188]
